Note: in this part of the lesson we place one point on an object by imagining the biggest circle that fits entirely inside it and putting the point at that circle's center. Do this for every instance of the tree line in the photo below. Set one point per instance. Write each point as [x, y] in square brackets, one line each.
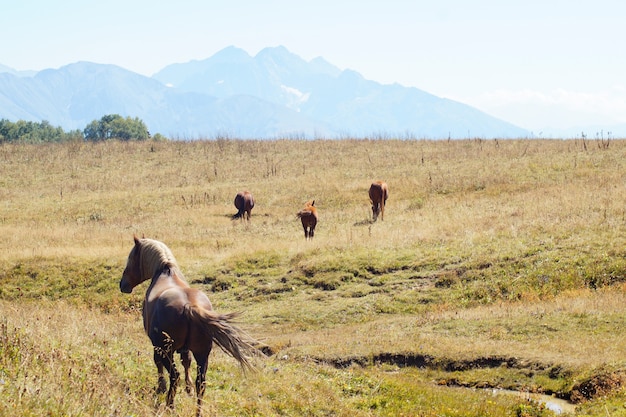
[111, 126]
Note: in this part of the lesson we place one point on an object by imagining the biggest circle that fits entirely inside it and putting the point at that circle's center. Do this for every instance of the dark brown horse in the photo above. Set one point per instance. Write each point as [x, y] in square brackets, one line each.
[178, 318]
[378, 195]
[308, 216]
[244, 202]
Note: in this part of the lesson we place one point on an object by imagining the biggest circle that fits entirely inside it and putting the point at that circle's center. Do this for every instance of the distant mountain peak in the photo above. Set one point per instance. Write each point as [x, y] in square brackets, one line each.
[280, 58]
[230, 54]
[277, 52]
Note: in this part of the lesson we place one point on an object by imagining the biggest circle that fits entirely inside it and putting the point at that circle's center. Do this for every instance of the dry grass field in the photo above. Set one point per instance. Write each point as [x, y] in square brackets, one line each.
[500, 264]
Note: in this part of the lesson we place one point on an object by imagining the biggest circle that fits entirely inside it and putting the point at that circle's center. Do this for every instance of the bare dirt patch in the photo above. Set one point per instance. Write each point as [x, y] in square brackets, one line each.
[598, 386]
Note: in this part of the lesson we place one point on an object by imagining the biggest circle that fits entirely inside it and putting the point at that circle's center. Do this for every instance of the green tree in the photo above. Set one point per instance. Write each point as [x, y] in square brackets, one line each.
[114, 126]
[24, 131]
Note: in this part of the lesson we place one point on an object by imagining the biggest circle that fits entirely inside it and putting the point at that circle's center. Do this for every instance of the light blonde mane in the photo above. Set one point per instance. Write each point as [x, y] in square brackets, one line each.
[154, 257]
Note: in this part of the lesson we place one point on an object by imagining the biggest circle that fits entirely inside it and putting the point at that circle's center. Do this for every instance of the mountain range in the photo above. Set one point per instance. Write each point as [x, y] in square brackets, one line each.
[275, 94]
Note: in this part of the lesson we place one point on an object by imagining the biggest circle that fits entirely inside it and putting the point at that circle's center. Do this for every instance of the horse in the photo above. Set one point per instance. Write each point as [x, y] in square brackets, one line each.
[244, 202]
[178, 318]
[308, 216]
[378, 195]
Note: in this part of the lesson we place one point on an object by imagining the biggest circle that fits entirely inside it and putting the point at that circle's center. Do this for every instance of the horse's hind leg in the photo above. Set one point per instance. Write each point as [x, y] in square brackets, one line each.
[203, 361]
[161, 384]
[171, 368]
[185, 357]
[165, 359]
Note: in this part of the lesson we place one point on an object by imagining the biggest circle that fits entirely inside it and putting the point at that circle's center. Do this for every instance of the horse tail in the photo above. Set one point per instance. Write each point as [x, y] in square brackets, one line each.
[230, 338]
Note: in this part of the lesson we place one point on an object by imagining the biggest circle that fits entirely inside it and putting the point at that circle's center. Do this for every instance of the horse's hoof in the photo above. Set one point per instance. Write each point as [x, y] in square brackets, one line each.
[170, 402]
[161, 388]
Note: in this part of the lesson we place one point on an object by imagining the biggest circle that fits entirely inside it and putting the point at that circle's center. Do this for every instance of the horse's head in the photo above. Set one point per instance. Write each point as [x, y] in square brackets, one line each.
[131, 276]
[146, 258]
[375, 210]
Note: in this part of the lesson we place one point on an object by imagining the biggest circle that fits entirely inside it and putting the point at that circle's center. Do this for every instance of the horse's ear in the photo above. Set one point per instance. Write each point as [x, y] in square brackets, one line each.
[313, 203]
[136, 239]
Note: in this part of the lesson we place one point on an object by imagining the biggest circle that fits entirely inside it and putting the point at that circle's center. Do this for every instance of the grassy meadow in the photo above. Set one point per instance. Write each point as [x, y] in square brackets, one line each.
[500, 264]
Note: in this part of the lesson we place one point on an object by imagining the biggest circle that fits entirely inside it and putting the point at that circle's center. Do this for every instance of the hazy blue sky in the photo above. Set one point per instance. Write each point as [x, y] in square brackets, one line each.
[535, 63]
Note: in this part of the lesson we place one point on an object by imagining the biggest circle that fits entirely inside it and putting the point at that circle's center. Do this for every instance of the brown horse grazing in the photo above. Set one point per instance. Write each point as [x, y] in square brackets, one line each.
[308, 216]
[178, 318]
[378, 194]
[244, 202]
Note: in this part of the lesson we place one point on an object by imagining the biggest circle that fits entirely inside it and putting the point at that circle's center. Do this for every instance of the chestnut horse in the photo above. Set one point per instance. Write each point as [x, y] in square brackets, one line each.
[244, 202]
[178, 318]
[378, 195]
[308, 216]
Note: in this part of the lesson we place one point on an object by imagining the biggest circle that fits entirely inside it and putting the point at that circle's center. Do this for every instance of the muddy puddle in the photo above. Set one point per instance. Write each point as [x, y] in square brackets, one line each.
[557, 405]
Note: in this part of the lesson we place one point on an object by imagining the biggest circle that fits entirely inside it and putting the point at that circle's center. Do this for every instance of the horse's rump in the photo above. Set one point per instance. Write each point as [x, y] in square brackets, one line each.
[163, 314]
[378, 192]
[244, 200]
[244, 203]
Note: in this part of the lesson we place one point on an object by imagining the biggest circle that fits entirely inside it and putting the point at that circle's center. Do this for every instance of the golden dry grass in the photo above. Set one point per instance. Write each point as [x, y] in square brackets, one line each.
[511, 249]
[86, 199]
